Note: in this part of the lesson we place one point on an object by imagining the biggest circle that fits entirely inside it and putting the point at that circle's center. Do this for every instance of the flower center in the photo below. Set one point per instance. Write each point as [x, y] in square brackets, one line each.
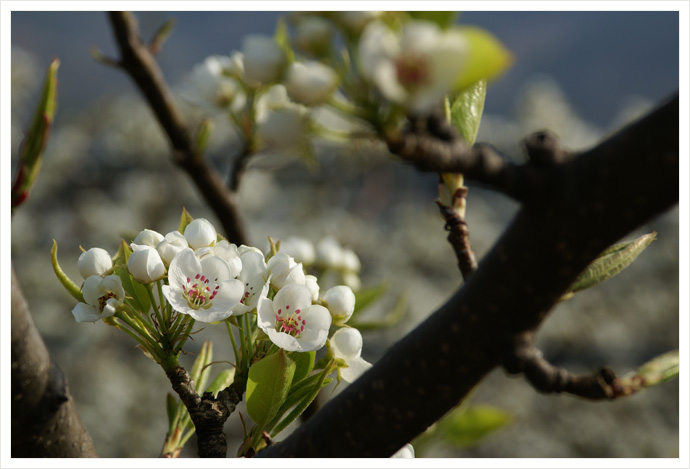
[248, 294]
[104, 299]
[198, 293]
[290, 322]
[412, 71]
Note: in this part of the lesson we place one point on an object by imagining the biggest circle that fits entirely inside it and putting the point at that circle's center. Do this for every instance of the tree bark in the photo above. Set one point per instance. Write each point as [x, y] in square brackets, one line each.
[585, 205]
[45, 423]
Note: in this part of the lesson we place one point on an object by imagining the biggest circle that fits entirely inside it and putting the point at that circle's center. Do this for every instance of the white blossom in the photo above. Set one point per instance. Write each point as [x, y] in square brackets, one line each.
[225, 250]
[255, 279]
[310, 83]
[313, 34]
[312, 284]
[102, 296]
[95, 261]
[283, 270]
[346, 345]
[202, 288]
[173, 243]
[292, 322]
[416, 68]
[302, 250]
[263, 59]
[210, 88]
[406, 451]
[355, 21]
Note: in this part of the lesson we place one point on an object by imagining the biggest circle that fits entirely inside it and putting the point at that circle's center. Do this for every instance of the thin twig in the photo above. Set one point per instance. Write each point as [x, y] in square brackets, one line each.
[459, 238]
[136, 59]
[526, 358]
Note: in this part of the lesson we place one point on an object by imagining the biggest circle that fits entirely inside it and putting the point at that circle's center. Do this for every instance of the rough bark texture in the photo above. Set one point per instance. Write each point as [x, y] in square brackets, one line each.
[45, 423]
[585, 204]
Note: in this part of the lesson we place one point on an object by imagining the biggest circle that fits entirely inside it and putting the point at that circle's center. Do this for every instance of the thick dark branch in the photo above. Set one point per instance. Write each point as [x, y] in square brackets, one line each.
[207, 413]
[136, 59]
[594, 200]
[45, 423]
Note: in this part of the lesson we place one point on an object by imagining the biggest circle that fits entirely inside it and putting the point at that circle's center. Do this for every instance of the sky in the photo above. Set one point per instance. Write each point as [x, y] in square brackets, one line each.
[599, 58]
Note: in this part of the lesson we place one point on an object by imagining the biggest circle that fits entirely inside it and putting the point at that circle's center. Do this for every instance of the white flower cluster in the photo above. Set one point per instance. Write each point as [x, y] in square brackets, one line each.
[210, 279]
[412, 65]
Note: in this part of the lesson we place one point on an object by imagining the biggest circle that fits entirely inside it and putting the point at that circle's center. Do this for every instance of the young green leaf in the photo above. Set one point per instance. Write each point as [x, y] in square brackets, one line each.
[610, 263]
[137, 295]
[36, 138]
[655, 371]
[222, 381]
[367, 296]
[268, 385]
[466, 111]
[66, 282]
[283, 40]
[200, 370]
[487, 57]
[467, 426]
[185, 220]
[304, 362]
[442, 18]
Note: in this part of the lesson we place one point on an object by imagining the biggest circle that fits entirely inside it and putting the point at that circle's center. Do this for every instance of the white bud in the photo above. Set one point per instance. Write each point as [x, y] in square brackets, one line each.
[310, 83]
[200, 233]
[173, 243]
[95, 261]
[148, 238]
[340, 301]
[263, 60]
[145, 264]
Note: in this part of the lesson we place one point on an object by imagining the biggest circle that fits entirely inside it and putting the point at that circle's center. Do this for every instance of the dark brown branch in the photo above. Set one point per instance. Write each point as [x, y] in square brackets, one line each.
[136, 59]
[546, 378]
[45, 423]
[207, 413]
[432, 145]
[595, 199]
[459, 238]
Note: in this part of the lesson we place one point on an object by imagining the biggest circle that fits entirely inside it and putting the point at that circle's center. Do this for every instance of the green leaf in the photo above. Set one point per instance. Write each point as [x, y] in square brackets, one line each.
[200, 370]
[283, 39]
[304, 362]
[388, 321]
[203, 136]
[268, 385]
[171, 409]
[465, 427]
[442, 18]
[137, 295]
[609, 263]
[310, 394]
[71, 287]
[367, 296]
[656, 371]
[487, 57]
[466, 111]
[185, 220]
[222, 381]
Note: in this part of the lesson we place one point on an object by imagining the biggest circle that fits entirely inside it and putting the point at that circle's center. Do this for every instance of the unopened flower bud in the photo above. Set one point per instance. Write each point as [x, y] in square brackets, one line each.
[95, 261]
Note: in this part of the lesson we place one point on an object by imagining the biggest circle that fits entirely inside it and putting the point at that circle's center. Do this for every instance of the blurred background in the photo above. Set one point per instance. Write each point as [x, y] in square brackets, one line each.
[108, 174]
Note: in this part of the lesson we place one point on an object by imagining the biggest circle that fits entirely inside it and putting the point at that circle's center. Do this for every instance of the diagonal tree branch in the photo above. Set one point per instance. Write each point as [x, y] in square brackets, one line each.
[587, 204]
[45, 422]
[137, 61]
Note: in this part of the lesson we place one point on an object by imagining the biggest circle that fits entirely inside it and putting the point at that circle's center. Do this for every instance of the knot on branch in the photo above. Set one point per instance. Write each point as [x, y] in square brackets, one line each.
[544, 149]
